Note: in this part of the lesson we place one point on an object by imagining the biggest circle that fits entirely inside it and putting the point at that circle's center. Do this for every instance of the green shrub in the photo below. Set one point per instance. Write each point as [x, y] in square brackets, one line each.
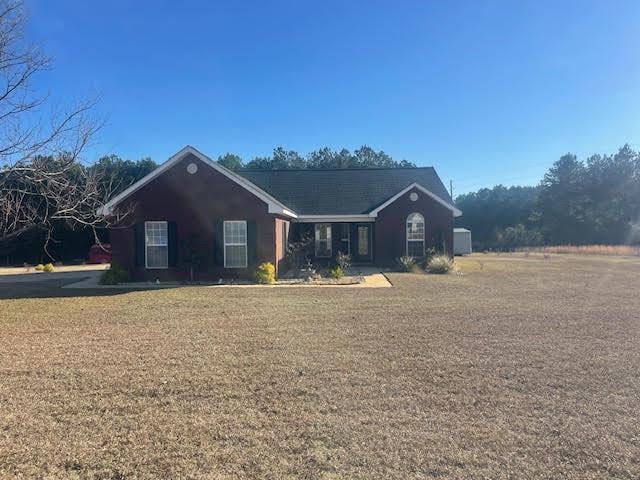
[407, 264]
[115, 275]
[39, 267]
[336, 272]
[47, 267]
[265, 273]
[440, 264]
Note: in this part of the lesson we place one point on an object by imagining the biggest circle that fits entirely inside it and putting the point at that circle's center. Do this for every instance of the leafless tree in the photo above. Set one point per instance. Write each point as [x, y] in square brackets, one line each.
[43, 179]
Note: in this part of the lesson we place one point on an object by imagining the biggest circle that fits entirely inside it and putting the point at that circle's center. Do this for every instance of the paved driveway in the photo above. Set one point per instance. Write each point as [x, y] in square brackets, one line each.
[42, 284]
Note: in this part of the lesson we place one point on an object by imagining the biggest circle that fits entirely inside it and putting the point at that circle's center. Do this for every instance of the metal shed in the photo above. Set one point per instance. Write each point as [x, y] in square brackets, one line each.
[461, 241]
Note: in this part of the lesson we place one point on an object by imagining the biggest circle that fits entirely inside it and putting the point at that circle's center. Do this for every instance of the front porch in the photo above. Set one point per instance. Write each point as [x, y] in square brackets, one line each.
[326, 239]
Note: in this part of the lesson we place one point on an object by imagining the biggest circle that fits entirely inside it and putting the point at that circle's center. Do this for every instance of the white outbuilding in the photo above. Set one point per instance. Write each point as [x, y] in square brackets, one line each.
[461, 241]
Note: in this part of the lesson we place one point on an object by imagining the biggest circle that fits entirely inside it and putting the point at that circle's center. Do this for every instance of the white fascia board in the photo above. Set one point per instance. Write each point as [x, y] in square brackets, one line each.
[274, 206]
[456, 212]
[335, 218]
[288, 213]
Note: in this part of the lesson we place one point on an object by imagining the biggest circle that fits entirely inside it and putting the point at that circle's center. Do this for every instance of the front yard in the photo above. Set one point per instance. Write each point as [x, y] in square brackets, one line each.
[522, 367]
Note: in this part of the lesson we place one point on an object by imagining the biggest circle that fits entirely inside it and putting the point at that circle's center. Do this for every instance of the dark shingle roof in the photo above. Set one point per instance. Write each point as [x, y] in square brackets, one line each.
[342, 191]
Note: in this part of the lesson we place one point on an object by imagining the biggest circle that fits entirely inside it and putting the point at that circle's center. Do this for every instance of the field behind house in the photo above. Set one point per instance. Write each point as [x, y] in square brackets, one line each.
[521, 367]
[619, 250]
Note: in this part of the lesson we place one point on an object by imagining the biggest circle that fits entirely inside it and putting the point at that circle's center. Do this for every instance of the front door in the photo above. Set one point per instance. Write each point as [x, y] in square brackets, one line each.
[362, 250]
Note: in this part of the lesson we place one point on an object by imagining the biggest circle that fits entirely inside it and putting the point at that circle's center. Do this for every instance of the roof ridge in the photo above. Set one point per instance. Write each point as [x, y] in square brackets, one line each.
[352, 169]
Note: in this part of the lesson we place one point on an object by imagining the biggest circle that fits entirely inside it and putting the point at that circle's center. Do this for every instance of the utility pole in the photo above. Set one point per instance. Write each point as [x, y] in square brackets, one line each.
[451, 188]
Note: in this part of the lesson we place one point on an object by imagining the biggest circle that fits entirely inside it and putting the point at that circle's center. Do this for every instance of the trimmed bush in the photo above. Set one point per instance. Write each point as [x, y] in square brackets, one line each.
[48, 267]
[265, 273]
[39, 267]
[115, 275]
[440, 264]
[407, 264]
[336, 272]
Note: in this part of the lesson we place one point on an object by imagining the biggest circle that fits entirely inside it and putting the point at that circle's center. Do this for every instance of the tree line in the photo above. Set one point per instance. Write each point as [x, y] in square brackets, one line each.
[122, 173]
[578, 202]
[323, 158]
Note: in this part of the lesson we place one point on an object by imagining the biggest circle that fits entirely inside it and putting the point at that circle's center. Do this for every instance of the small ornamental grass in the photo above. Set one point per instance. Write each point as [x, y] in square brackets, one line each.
[439, 264]
[429, 253]
[265, 273]
[114, 275]
[336, 272]
[408, 264]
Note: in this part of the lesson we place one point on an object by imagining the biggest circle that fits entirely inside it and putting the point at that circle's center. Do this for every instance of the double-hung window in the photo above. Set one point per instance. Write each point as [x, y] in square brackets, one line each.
[156, 244]
[235, 244]
[323, 240]
[415, 235]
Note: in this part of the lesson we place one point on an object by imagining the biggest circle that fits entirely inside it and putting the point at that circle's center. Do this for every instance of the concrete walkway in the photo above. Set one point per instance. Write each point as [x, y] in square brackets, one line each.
[69, 272]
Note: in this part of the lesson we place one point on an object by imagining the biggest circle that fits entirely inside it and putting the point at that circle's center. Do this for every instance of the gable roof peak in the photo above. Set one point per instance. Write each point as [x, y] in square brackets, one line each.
[334, 169]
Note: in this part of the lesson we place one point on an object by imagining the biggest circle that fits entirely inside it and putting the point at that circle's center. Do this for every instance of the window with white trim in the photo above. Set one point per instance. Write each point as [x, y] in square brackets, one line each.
[156, 244]
[415, 235]
[323, 240]
[235, 244]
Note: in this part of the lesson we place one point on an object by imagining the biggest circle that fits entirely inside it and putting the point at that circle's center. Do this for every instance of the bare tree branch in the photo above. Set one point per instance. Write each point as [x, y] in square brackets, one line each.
[43, 179]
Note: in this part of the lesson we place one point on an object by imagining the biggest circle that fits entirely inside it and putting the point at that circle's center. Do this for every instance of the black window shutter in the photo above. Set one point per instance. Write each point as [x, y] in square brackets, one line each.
[172, 237]
[251, 243]
[139, 234]
[218, 243]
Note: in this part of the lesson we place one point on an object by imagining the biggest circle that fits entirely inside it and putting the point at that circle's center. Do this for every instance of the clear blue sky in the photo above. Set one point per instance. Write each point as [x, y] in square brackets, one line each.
[485, 91]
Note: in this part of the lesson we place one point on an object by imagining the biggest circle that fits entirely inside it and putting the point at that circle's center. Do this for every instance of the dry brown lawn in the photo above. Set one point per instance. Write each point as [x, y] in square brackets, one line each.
[519, 368]
[624, 250]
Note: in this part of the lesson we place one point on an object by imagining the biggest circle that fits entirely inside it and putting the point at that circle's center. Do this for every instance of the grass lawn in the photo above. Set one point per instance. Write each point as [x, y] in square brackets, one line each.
[523, 367]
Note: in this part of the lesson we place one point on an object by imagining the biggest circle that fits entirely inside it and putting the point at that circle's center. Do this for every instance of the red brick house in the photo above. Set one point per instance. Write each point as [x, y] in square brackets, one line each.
[232, 221]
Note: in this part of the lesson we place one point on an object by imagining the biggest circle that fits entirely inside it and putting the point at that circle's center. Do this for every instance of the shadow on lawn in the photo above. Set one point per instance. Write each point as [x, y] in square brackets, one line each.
[53, 289]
